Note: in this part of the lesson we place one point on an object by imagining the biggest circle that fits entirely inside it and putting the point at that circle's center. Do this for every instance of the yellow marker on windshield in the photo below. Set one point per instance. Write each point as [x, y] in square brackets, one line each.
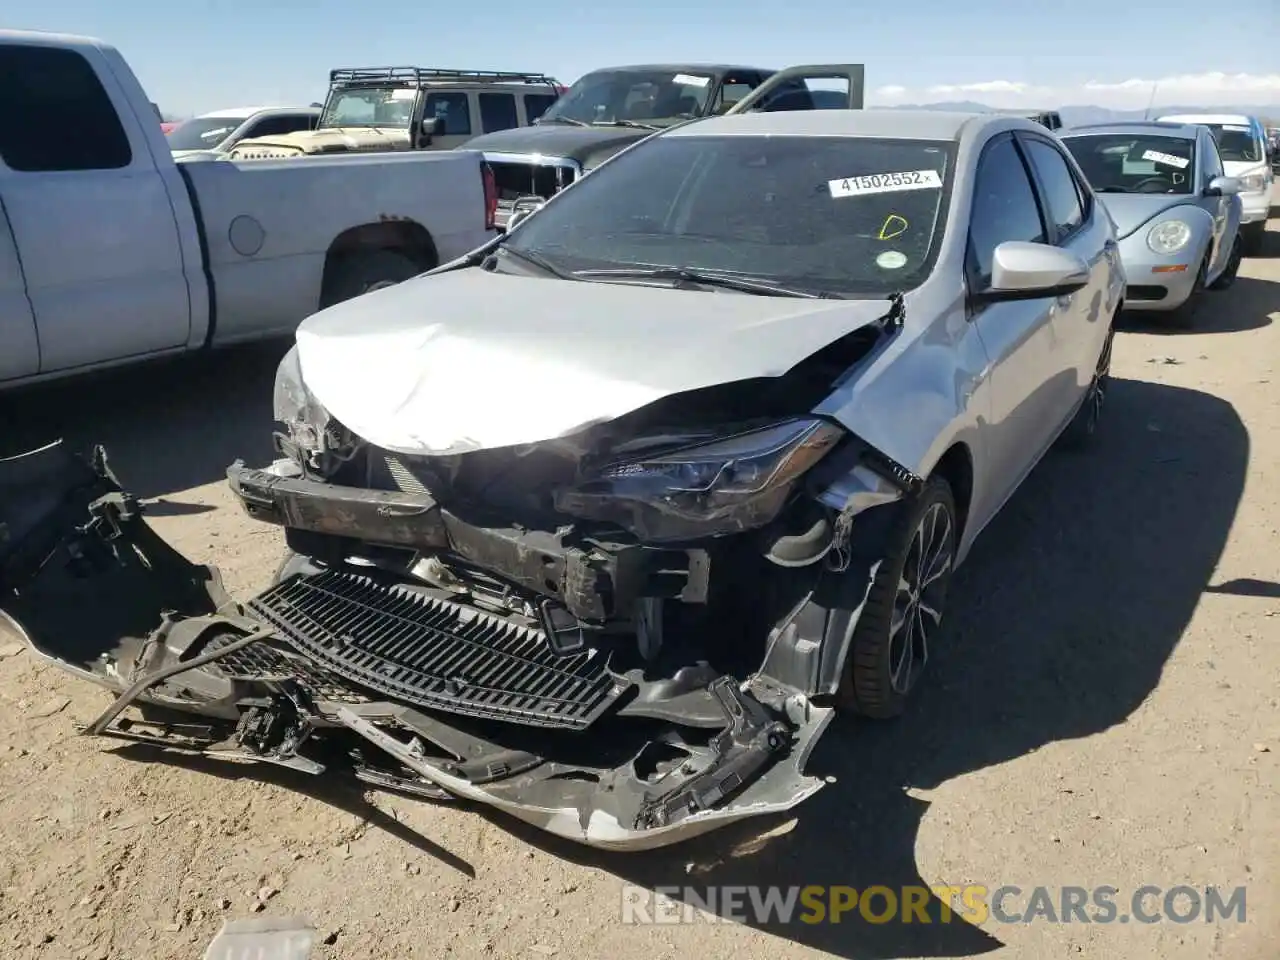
[894, 226]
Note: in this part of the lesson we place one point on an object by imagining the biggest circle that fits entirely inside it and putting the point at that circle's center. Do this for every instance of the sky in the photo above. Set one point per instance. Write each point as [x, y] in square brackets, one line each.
[199, 55]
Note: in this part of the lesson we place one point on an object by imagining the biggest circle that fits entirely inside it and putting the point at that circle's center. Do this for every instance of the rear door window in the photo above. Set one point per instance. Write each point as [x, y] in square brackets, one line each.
[498, 112]
[453, 111]
[1061, 193]
[536, 104]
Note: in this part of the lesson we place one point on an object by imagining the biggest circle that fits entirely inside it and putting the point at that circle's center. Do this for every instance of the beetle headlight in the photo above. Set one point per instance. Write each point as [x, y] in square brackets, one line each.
[702, 487]
[1169, 237]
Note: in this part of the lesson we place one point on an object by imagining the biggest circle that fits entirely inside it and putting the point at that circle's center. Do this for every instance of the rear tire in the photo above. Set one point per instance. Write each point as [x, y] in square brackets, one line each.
[889, 649]
[364, 271]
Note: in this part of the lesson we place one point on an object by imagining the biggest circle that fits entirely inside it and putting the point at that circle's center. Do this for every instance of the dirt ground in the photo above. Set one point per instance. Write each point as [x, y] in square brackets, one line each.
[1104, 712]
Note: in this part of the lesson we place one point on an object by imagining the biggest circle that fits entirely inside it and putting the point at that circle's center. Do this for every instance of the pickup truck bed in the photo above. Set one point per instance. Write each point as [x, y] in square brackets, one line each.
[110, 251]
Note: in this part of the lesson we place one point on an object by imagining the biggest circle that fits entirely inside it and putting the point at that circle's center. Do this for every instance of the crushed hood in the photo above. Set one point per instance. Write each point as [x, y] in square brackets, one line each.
[469, 359]
[1131, 210]
[329, 140]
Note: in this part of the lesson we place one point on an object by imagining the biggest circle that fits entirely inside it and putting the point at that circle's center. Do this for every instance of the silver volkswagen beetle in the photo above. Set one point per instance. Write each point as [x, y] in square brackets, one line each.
[1177, 215]
[600, 524]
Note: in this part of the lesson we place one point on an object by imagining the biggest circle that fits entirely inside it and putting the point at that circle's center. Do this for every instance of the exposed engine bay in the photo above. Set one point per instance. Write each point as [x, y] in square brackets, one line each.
[625, 636]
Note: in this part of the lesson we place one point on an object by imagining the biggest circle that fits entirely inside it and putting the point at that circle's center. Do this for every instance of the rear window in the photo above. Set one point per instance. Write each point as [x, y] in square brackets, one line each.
[1129, 163]
[848, 215]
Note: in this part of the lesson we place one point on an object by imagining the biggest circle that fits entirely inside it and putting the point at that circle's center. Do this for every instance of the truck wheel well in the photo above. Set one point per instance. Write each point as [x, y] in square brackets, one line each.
[405, 237]
[956, 467]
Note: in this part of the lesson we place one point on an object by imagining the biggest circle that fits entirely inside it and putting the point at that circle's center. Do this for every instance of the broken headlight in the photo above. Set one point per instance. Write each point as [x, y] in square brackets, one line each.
[311, 438]
[702, 489]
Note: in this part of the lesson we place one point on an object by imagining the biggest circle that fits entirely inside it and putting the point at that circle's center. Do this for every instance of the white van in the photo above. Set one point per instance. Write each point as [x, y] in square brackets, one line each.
[1242, 144]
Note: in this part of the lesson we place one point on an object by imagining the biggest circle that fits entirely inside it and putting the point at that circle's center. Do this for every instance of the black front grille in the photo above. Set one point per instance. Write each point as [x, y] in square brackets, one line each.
[515, 180]
[434, 653]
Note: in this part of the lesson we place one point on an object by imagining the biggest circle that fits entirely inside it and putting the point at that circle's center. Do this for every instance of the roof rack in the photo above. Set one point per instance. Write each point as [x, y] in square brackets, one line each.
[425, 75]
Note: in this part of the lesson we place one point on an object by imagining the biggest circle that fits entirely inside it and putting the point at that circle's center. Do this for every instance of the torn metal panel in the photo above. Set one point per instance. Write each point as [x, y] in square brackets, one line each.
[448, 700]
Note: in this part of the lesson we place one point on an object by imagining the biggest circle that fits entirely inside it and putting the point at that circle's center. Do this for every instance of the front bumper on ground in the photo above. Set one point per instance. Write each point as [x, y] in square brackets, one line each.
[1157, 283]
[339, 671]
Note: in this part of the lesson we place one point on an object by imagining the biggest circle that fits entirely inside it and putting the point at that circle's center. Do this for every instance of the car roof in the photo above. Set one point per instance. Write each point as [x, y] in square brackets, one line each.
[230, 112]
[881, 124]
[713, 68]
[1184, 131]
[1233, 118]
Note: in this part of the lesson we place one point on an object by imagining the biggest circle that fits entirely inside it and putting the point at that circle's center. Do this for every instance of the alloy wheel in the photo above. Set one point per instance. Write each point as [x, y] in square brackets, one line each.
[1097, 395]
[917, 604]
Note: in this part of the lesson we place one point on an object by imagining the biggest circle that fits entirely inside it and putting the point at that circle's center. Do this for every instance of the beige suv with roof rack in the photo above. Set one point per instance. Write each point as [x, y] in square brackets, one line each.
[379, 109]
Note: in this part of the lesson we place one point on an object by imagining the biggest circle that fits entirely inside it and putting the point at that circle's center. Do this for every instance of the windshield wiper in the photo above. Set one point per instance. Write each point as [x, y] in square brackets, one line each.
[1111, 189]
[625, 123]
[682, 275]
[538, 261]
[569, 120]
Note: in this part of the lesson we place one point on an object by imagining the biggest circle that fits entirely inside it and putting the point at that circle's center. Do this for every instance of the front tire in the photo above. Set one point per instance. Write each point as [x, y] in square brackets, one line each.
[889, 649]
[1228, 275]
[1185, 315]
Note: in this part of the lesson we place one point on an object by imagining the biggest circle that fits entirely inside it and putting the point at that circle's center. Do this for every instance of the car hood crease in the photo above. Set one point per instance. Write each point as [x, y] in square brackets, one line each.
[470, 360]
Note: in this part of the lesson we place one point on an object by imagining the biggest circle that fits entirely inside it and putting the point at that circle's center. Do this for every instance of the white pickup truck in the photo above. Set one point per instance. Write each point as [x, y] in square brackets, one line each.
[110, 251]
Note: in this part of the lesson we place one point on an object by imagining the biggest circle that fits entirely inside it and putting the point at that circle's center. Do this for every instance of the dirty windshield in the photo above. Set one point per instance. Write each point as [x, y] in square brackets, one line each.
[1125, 163]
[653, 97]
[369, 107]
[852, 216]
[202, 133]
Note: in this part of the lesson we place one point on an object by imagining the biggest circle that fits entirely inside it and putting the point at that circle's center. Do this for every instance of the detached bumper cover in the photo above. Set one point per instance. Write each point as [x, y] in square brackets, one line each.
[446, 703]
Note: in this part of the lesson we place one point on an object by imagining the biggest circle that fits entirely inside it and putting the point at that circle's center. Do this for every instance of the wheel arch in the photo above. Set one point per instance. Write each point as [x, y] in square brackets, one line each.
[400, 235]
[956, 467]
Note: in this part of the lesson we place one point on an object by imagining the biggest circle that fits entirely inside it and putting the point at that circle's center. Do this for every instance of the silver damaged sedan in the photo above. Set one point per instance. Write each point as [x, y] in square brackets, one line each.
[601, 524]
[1177, 215]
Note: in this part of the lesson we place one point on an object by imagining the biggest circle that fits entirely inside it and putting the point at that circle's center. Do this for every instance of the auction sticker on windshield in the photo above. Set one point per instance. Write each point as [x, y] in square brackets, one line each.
[689, 80]
[885, 183]
[1167, 159]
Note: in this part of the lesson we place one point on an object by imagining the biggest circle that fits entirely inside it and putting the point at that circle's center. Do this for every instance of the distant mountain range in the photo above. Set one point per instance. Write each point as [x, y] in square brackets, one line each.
[1075, 116]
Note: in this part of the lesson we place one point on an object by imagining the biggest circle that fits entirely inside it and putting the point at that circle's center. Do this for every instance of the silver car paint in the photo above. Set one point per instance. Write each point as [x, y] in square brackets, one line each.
[1002, 380]
[1214, 223]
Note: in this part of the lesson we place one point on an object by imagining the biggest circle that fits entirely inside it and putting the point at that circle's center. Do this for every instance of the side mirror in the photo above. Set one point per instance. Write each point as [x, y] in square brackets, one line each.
[430, 129]
[1033, 271]
[1222, 187]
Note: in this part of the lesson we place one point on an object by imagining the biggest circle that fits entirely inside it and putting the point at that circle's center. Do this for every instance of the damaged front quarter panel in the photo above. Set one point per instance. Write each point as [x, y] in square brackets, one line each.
[163, 635]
